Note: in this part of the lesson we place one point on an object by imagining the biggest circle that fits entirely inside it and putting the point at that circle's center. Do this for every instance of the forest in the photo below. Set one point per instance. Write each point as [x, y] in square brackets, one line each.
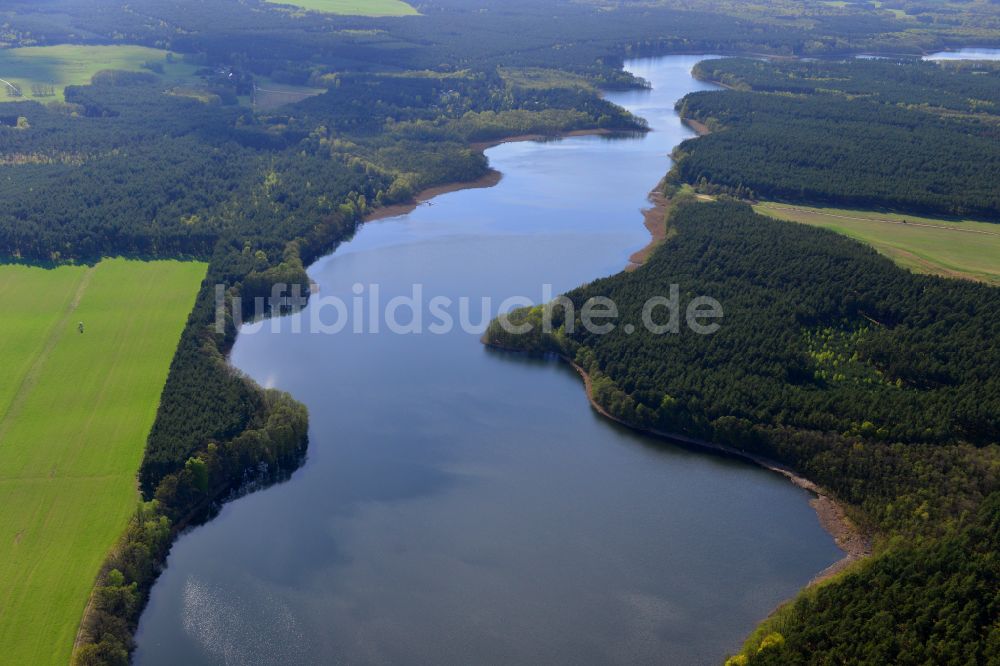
[124, 169]
[827, 133]
[878, 384]
[965, 86]
[587, 35]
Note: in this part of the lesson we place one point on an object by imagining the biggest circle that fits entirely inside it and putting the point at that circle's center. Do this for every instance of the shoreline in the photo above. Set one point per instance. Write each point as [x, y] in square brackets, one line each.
[698, 127]
[655, 221]
[832, 515]
[490, 179]
[482, 146]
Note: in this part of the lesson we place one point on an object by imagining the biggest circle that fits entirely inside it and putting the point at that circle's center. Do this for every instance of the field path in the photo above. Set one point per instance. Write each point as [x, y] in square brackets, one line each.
[55, 334]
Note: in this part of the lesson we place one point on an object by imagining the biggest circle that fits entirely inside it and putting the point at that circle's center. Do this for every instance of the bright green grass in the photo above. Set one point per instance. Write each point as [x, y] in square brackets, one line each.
[354, 7]
[543, 79]
[951, 248]
[900, 13]
[74, 64]
[75, 411]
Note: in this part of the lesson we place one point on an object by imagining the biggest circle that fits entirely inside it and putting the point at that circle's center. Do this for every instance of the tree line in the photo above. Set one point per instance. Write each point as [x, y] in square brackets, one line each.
[585, 36]
[845, 149]
[970, 87]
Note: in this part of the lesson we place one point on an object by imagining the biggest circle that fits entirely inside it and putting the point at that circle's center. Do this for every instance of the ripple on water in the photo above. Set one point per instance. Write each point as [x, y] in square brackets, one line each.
[227, 624]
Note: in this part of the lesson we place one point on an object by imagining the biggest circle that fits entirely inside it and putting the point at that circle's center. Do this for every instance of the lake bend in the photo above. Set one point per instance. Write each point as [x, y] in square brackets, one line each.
[463, 505]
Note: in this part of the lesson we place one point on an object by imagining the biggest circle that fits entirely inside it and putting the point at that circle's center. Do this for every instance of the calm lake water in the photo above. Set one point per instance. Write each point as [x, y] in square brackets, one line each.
[966, 54]
[461, 505]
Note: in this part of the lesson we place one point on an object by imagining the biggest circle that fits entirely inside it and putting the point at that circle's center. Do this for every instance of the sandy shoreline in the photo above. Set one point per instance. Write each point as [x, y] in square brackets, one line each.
[492, 178]
[832, 515]
[655, 221]
[699, 128]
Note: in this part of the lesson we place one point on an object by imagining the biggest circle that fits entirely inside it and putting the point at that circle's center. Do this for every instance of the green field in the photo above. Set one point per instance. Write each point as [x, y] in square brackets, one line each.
[74, 64]
[75, 411]
[353, 7]
[953, 248]
[537, 78]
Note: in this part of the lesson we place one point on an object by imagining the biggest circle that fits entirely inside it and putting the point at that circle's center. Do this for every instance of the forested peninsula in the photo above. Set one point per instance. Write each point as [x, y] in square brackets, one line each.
[828, 362]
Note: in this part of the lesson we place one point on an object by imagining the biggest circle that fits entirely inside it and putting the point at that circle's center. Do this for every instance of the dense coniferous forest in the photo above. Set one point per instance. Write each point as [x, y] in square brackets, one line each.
[579, 35]
[829, 133]
[164, 175]
[123, 167]
[967, 86]
[879, 384]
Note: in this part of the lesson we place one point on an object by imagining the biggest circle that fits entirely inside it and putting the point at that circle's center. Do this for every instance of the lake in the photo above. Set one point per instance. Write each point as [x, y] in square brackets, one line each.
[966, 54]
[462, 505]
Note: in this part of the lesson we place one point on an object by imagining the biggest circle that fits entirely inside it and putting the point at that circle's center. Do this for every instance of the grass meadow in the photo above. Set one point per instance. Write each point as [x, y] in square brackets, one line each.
[354, 7]
[952, 248]
[75, 64]
[75, 411]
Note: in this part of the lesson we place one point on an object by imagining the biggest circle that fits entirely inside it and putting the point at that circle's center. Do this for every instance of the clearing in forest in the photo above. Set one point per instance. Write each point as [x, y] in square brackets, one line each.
[952, 248]
[42, 73]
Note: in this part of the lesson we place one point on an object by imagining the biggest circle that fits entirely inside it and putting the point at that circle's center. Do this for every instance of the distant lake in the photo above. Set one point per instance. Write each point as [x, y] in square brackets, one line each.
[966, 54]
[465, 506]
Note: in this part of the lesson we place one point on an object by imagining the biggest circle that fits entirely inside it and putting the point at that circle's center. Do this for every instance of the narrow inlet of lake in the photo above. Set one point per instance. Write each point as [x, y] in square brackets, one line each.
[465, 506]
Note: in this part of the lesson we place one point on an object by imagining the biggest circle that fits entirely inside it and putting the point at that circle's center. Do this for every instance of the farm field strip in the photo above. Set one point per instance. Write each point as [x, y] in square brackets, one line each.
[952, 248]
[76, 416]
[353, 7]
